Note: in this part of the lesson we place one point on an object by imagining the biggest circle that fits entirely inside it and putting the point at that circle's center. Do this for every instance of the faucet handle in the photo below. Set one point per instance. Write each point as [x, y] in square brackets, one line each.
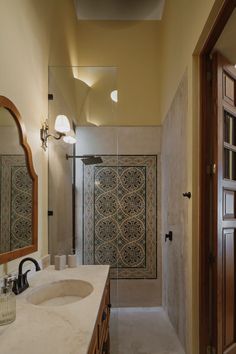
[8, 282]
[9, 278]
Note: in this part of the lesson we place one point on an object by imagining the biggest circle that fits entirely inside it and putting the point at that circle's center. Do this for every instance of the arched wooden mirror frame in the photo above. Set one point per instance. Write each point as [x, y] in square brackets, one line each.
[9, 256]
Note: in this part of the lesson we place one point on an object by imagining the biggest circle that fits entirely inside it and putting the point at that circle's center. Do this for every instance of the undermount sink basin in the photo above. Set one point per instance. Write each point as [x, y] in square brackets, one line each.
[60, 293]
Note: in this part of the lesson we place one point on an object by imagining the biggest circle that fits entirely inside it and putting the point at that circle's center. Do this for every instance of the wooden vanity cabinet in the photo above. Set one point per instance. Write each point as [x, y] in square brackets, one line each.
[100, 343]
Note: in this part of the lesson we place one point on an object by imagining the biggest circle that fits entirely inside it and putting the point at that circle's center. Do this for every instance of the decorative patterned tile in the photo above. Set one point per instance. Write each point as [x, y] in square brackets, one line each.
[15, 203]
[120, 226]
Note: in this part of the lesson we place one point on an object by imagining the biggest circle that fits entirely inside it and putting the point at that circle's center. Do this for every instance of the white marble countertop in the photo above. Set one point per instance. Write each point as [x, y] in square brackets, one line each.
[63, 329]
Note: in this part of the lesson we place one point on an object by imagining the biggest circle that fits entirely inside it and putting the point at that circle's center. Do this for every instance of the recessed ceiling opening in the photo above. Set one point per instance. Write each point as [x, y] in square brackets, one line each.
[131, 10]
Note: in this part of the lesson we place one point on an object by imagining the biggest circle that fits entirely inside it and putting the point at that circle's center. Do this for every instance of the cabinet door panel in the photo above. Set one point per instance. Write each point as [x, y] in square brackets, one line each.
[228, 287]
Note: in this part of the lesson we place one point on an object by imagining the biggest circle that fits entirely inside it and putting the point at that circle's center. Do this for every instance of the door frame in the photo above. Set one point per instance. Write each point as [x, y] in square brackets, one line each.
[205, 338]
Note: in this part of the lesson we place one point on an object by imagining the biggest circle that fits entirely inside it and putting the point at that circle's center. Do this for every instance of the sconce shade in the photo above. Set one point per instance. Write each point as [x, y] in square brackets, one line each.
[70, 137]
[62, 124]
[114, 95]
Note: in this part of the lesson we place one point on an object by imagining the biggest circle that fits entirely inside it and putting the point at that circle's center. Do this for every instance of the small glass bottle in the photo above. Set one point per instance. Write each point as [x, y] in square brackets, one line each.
[7, 301]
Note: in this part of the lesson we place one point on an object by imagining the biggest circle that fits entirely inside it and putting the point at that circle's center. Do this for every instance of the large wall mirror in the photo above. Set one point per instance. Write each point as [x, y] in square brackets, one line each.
[18, 187]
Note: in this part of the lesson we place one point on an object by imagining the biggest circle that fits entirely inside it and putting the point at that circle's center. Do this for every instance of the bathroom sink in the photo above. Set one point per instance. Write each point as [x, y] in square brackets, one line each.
[60, 293]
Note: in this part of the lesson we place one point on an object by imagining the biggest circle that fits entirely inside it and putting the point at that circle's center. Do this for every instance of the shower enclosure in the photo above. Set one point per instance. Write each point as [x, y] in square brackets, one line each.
[103, 191]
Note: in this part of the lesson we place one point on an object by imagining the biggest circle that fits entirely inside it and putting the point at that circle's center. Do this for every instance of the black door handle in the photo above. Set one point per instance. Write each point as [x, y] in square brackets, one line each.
[169, 236]
[187, 195]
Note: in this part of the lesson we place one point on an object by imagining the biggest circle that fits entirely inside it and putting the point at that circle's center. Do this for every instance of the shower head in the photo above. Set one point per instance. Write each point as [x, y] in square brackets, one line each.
[91, 160]
[86, 159]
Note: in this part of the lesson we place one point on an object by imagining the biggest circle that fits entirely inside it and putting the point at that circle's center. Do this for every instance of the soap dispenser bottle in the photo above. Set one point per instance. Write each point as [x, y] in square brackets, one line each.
[7, 301]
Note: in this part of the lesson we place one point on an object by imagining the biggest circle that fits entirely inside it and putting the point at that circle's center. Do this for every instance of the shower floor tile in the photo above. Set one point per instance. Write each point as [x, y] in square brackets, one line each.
[142, 331]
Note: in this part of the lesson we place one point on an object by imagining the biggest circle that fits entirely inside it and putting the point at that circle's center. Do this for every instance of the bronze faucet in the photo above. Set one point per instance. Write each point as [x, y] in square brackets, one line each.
[21, 283]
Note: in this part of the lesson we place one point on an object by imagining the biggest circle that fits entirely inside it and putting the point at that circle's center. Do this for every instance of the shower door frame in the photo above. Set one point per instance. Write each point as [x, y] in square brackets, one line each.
[207, 300]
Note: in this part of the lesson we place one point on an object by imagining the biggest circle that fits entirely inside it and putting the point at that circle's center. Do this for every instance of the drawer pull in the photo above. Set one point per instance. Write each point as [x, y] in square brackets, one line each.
[109, 306]
[104, 316]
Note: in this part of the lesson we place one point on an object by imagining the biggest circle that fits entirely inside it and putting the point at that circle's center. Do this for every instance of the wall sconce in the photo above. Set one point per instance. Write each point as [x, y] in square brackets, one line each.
[62, 127]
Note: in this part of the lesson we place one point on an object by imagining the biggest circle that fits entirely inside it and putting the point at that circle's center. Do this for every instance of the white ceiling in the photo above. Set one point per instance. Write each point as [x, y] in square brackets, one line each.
[226, 44]
[132, 10]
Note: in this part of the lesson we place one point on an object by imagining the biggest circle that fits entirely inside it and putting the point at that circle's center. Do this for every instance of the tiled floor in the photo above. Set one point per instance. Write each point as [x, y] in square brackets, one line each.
[142, 331]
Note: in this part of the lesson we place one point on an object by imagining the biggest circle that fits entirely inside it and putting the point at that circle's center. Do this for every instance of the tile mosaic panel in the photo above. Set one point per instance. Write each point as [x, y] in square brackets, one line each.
[120, 225]
[15, 203]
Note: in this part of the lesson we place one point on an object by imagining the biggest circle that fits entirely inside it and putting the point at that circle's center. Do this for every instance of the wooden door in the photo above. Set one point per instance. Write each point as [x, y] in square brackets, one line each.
[224, 204]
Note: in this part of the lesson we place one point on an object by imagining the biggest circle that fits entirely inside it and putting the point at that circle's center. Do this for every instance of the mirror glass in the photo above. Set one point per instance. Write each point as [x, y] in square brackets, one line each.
[16, 188]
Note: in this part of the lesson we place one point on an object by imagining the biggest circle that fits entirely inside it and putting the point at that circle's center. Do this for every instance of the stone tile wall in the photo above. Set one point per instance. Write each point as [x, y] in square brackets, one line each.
[174, 211]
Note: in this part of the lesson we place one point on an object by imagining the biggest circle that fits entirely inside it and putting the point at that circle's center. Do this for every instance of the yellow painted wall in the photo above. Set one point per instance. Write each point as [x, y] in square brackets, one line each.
[133, 47]
[181, 28]
[33, 35]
